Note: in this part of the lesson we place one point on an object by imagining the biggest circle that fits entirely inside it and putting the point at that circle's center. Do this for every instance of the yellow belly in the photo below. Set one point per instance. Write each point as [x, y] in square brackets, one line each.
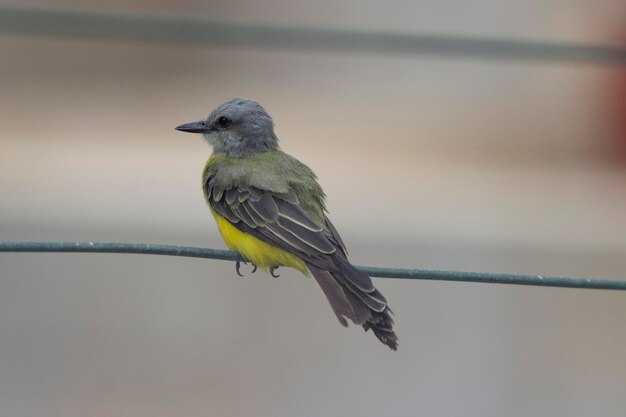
[261, 254]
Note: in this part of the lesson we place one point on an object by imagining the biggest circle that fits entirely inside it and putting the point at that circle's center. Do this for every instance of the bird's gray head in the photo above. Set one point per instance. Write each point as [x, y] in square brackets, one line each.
[237, 127]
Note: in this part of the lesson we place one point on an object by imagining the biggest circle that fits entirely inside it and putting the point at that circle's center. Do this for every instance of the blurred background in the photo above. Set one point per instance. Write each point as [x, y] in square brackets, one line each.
[495, 165]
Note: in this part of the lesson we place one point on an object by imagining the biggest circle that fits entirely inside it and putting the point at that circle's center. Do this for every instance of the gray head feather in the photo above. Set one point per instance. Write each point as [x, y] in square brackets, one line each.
[240, 127]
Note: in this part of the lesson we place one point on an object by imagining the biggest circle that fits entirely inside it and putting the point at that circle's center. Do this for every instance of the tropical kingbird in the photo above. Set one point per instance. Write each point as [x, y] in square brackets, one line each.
[270, 208]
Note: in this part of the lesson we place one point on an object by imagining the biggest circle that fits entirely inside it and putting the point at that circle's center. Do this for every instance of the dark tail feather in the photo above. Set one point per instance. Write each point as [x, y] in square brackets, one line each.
[350, 296]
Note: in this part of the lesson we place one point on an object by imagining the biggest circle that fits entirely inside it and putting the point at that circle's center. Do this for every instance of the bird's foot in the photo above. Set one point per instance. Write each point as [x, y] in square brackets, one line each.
[272, 269]
[238, 267]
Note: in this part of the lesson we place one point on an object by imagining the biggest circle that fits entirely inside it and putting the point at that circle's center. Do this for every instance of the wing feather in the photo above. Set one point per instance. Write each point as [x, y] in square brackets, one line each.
[335, 236]
[217, 192]
[266, 207]
[258, 221]
[242, 213]
[316, 240]
[231, 195]
[224, 210]
[295, 214]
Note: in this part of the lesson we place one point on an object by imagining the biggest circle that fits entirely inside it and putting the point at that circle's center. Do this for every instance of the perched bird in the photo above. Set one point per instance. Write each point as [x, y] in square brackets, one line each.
[270, 208]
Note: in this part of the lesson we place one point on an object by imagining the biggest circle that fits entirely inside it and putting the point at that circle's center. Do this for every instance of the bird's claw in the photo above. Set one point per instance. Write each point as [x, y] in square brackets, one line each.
[238, 267]
[272, 269]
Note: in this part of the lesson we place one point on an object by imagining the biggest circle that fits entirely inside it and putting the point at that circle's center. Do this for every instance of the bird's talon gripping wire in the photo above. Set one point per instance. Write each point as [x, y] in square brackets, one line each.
[272, 272]
[238, 267]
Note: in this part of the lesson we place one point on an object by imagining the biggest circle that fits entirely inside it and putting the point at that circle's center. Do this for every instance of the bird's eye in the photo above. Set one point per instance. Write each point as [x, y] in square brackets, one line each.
[223, 122]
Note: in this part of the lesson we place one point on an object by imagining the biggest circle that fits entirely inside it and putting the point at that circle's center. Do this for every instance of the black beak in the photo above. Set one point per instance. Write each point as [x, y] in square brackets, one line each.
[195, 127]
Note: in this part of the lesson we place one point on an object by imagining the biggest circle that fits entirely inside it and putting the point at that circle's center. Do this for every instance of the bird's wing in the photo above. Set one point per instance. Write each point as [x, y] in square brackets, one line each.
[278, 219]
[275, 218]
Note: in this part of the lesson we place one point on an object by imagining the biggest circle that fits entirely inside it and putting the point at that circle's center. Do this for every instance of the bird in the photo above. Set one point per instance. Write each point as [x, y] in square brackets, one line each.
[270, 208]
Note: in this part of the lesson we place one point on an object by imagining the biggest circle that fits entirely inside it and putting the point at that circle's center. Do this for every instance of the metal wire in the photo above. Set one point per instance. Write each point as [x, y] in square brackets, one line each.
[193, 30]
[194, 252]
